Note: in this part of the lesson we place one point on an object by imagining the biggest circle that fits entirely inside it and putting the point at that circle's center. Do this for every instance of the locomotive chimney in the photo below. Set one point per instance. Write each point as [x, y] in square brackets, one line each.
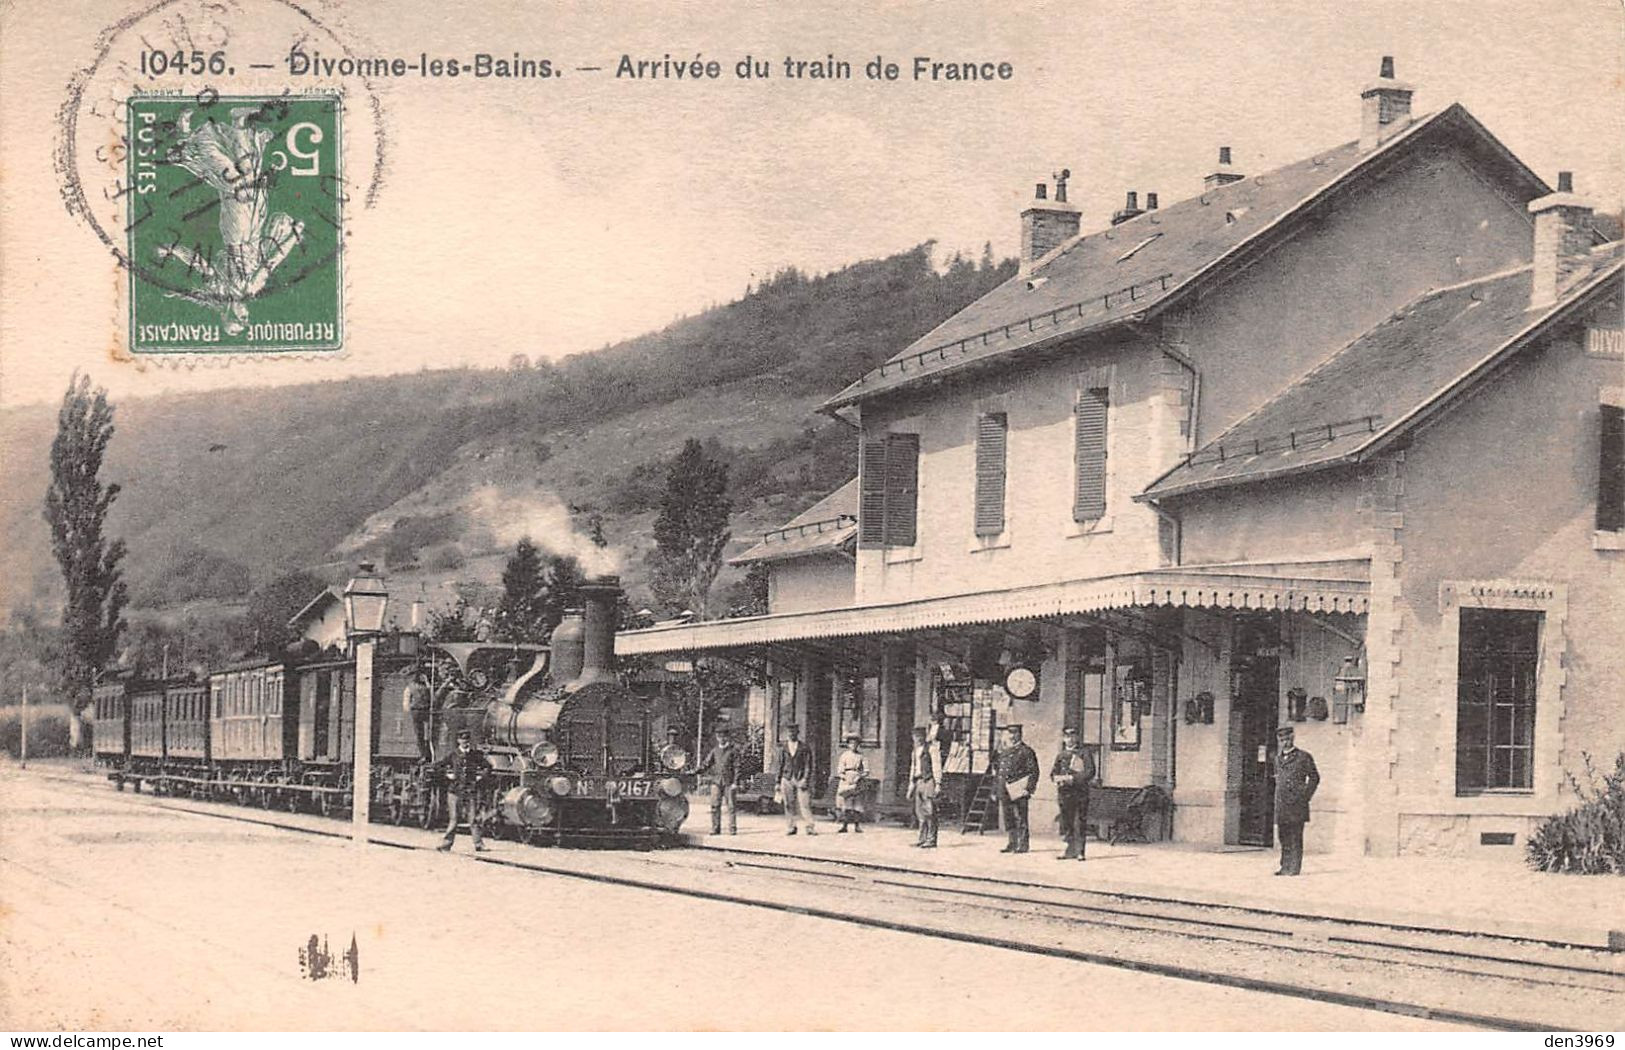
[565, 647]
[598, 658]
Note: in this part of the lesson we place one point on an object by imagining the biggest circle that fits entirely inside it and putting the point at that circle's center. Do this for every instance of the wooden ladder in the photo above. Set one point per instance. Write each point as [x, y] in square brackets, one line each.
[982, 803]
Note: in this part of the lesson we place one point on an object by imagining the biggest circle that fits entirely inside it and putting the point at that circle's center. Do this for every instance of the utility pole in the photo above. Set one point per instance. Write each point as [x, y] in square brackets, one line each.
[24, 754]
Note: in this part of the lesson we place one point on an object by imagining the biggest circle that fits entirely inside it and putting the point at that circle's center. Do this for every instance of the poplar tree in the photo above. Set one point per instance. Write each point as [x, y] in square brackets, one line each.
[76, 506]
[692, 530]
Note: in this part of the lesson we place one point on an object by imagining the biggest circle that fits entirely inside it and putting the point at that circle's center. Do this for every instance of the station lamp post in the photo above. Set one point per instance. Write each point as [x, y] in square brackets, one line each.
[365, 601]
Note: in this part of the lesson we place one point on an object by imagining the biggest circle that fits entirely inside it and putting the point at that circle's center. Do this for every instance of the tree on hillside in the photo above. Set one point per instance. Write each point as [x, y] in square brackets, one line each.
[519, 616]
[272, 604]
[536, 594]
[692, 530]
[76, 505]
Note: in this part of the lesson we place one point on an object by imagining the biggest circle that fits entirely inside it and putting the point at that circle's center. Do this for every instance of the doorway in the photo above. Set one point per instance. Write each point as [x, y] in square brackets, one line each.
[1256, 667]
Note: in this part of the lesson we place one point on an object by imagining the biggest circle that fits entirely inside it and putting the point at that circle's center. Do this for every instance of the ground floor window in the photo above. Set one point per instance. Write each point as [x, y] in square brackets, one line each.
[1497, 655]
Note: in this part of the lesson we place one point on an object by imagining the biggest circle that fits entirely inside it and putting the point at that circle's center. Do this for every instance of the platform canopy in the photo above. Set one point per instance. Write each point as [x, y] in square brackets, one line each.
[1181, 587]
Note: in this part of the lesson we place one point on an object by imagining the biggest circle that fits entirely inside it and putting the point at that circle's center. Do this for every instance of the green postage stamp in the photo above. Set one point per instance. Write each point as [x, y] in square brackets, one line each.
[235, 224]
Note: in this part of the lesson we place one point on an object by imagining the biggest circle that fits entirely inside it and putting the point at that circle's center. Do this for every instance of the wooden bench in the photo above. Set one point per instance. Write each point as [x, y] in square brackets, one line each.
[1120, 814]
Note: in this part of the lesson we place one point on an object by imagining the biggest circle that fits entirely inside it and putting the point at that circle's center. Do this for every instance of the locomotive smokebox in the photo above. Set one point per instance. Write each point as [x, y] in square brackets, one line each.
[600, 596]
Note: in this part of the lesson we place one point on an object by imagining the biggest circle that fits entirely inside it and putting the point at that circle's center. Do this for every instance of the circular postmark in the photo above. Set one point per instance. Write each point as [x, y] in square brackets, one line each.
[222, 187]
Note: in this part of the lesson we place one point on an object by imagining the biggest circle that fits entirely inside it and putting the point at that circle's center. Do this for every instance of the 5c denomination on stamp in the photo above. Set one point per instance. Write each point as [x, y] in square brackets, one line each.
[235, 224]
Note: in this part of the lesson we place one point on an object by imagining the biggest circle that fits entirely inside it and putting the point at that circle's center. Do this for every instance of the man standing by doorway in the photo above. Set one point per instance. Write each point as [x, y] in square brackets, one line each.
[1072, 772]
[1017, 766]
[1296, 779]
[795, 780]
[922, 788]
[722, 763]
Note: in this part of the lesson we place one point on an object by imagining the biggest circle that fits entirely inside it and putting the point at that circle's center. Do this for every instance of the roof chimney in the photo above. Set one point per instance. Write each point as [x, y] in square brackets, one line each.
[1223, 175]
[1128, 210]
[1562, 240]
[1150, 202]
[1047, 224]
[1385, 107]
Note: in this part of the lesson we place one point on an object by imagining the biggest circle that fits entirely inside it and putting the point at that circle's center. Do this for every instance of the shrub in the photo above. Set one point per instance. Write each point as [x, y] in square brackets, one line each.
[47, 730]
[1590, 838]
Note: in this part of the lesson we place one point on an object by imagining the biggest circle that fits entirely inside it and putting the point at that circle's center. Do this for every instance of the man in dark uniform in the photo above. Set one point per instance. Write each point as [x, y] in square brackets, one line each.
[463, 770]
[1296, 779]
[1017, 766]
[722, 762]
[1072, 772]
[922, 788]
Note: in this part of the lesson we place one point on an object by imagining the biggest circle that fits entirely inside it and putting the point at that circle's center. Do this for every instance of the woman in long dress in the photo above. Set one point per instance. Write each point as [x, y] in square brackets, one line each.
[851, 769]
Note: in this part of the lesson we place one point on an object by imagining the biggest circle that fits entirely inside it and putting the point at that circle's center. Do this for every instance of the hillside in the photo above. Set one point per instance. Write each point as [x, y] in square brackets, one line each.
[438, 473]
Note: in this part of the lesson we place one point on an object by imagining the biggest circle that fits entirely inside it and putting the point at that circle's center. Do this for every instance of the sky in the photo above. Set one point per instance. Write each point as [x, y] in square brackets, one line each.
[551, 217]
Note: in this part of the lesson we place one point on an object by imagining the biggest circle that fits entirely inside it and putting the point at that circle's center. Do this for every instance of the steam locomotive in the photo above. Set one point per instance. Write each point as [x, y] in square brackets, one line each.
[574, 751]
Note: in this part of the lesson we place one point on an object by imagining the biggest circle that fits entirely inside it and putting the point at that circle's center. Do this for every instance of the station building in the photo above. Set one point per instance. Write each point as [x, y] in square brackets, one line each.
[1337, 445]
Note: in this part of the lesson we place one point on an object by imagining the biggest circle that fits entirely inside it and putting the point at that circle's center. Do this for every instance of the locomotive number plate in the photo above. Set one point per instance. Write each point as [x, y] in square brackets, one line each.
[621, 788]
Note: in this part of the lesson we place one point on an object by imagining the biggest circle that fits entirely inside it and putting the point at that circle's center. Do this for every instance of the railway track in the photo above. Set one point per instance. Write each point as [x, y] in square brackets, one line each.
[1483, 981]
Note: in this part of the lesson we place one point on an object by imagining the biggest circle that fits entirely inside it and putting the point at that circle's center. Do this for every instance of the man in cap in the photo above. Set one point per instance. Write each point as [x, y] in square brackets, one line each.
[850, 771]
[922, 788]
[722, 763]
[1296, 779]
[463, 771]
[795, 780]
[1072, 772]
[1017, 766]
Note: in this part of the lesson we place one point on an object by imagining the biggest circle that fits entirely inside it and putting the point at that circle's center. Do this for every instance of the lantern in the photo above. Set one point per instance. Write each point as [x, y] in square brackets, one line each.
[365, 600]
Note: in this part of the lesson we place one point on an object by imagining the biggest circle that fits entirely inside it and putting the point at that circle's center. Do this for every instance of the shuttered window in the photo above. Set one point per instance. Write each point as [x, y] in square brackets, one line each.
[1611, 470]
[902, 488]
[1089, 492]
[888, 490]
[992, 440]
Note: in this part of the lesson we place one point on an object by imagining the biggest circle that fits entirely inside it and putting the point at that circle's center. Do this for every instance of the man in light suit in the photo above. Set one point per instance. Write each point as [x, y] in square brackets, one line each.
[1296, 779]
[795, 780]
[922, 788]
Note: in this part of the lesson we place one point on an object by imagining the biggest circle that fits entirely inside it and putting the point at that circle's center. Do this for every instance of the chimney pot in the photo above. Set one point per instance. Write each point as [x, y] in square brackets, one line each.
[1046, 224]
[1385, 107]
[1133, 201]
[1562, 241]
[1224, 154]
[1150, 202]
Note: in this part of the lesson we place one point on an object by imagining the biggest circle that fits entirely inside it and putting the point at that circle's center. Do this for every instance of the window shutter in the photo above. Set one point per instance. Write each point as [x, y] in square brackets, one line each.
[1089, 502]
[992, 433]
[902, 488]
[872, 491]
[1611, 470]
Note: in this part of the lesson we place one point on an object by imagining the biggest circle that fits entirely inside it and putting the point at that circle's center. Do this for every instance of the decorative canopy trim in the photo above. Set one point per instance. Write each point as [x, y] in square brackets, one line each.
[1166, 587]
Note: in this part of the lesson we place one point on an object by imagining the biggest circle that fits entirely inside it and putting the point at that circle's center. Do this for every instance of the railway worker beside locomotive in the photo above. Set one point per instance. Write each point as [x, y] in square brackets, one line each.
[1017, 766]
[419, 702]
[850, 771]
[464, 770]
[1296, 779]
[795, 780]
[922, 788]
[1074, 768]
[722, 764]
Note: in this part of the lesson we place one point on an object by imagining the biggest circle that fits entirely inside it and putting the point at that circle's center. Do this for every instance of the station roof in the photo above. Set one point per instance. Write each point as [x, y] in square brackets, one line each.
[825, 526]
[1127, 272]
[1387, 381]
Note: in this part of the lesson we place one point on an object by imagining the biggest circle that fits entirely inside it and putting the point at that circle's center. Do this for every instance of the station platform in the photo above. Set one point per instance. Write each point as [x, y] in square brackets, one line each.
[1428, 893]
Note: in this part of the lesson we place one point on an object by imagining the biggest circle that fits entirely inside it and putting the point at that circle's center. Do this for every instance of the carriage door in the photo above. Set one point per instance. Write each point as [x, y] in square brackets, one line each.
[1256, 667]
